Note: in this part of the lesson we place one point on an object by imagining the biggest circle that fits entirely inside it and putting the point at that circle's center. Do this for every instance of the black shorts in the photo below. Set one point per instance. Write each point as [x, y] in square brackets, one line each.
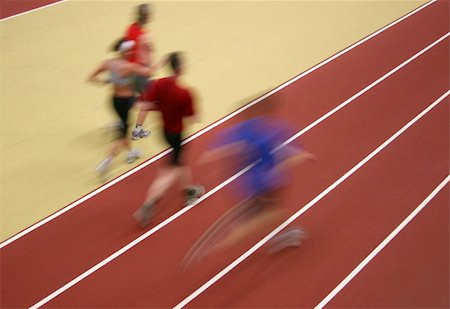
[122, 106]
[174, 140]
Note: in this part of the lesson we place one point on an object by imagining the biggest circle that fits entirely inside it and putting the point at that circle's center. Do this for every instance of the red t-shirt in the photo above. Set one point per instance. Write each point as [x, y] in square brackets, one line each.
[173, 101]
[139, 52]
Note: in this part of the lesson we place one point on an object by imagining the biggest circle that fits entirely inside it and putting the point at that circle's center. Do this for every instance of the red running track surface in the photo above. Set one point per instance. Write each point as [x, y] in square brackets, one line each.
[417, 261]
[13, 7]
[346, 225]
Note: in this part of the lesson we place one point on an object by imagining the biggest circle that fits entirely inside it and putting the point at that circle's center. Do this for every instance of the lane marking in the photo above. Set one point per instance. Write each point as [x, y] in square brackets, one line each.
[201, 132]
[217, 188]
[383, 244]
[33, 10]
[313, 202]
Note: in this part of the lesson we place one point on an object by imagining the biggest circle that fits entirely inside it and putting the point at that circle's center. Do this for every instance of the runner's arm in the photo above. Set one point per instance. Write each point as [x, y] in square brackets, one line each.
[295, 157]
[163, 62]
[93, 77]
[221, 152]
[140, 70]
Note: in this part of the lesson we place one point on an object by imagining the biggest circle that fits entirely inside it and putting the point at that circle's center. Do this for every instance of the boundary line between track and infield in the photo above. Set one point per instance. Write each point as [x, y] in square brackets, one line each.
[203, 131]
[33, 10]
[217, 188]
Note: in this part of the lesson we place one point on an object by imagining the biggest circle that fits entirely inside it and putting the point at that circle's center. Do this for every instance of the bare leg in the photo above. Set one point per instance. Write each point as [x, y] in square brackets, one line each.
[264, 221]
[165, 179]
[185, 177]
[141, 116]
[216, 232]
[138, 131]
[116, 147]
[126, 143]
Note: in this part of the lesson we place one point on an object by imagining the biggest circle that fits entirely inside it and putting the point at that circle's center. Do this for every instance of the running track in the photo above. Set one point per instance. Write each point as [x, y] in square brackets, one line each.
[11, 8]
[385, 83]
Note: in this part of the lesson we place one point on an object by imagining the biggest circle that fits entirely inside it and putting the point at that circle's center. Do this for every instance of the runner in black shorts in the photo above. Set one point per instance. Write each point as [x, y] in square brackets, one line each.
[122, 106]
[175, 103]
[174, 140]
[121, 77]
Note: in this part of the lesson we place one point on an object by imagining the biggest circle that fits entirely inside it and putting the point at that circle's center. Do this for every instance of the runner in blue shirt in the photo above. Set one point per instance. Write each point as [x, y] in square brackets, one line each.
[259, 142]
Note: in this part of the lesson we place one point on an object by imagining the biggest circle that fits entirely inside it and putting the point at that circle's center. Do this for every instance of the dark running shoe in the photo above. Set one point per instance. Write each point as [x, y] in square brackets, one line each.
[193, 193]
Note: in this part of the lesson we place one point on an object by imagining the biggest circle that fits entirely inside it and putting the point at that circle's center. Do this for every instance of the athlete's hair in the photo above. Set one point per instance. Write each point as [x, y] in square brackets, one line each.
[175, 61]
[143, 11]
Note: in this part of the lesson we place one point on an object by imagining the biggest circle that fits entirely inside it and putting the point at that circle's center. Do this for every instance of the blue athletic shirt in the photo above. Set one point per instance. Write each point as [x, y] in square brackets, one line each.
[258, 138]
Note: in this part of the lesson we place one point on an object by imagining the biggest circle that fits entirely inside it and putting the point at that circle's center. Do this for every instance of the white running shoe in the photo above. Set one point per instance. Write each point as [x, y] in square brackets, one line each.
[133, 155]
[103, 168]
[139, 133]
[292, 237]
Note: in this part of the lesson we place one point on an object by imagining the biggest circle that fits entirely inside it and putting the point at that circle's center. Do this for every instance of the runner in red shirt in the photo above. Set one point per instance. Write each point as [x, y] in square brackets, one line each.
[136, 32]
[140, 54]
[175, 104]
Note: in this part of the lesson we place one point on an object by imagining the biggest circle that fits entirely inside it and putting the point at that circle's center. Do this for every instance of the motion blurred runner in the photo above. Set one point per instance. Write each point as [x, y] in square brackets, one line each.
[141, 53]
[257, 141]
[121, 77]
[175, 103]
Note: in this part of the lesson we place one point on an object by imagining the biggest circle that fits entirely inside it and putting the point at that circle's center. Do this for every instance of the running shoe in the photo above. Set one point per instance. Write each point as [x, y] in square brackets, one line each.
[145, 213]
[193, 193]
[138, 134]
[103, 168]
[133, 155]
[293, 237]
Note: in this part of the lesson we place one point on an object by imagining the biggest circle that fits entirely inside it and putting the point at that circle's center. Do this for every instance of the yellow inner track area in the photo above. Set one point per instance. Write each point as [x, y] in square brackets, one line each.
[53, 123]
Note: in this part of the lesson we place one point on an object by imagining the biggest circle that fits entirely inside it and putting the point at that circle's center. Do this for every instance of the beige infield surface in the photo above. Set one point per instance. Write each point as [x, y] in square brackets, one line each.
[53, 124]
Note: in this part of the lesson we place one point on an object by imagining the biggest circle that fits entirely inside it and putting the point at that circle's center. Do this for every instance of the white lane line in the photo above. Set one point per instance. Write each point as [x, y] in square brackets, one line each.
[133, 243]
[217, 188]
[33, 10]
[201, 132]
[383, 244]
[314, 201]
[359, 93]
